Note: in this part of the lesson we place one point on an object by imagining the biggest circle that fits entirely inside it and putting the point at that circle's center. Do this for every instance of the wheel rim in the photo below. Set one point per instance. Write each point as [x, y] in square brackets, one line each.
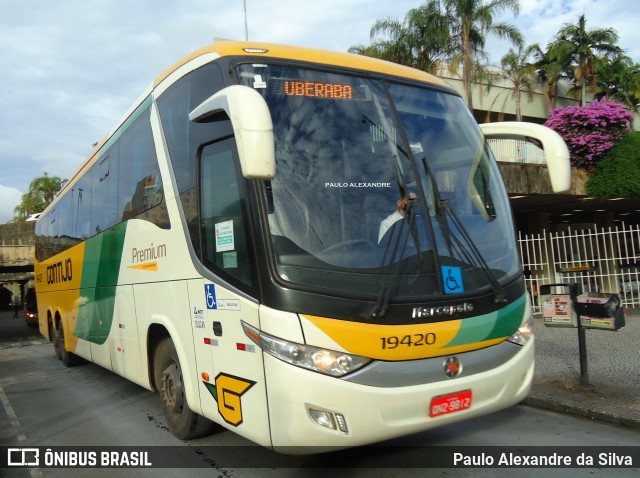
[173, 388]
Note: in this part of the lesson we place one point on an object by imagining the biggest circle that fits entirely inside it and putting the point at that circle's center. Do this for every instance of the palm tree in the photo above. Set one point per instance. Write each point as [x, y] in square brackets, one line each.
[42, 191]
[46, 187]
[420, 41]
[520, 73]
[470, 21]
[577, 49]
[440, 30]
[550, 72]
[619, 79]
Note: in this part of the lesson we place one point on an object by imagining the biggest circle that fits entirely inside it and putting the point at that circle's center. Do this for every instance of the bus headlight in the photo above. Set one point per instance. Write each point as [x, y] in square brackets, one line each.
[524, 332]
[325, 361]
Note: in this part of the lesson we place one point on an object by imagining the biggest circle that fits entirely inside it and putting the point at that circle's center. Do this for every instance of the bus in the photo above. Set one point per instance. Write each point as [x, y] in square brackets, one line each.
[312, 249]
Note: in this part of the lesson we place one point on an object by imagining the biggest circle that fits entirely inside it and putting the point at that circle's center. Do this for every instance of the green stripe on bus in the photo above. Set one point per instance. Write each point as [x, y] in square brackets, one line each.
[495, 325]
[96, 303]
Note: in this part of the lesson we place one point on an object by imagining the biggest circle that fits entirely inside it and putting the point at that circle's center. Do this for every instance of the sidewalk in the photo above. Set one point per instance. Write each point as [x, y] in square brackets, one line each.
[613, 365]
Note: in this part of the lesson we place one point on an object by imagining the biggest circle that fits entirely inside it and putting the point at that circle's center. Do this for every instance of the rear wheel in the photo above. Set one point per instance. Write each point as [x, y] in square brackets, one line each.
[183, 423]
[53, 337]
[69, 359]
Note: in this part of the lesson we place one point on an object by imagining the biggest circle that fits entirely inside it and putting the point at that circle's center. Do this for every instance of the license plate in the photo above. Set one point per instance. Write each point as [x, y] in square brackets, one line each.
[454, 402]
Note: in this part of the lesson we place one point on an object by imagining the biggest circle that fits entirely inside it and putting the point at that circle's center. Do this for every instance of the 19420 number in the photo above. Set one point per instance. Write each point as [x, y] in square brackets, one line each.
[412, 340]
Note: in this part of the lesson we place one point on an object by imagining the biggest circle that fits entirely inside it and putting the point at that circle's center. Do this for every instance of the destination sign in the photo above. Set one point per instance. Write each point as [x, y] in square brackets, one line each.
[313, 89]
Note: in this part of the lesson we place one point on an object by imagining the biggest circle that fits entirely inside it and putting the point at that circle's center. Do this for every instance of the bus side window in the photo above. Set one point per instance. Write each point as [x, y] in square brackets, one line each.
[105, 192]
[140, 186]
[224, 235]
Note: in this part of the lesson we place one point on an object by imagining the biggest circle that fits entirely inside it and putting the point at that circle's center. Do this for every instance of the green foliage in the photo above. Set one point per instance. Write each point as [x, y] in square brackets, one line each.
[41, 192]
[420, 41]
[453, 31]
[577, 49]
[617, 174]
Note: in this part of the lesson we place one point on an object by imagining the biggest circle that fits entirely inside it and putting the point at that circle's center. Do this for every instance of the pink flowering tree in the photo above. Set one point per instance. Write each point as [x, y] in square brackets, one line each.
[590, 131]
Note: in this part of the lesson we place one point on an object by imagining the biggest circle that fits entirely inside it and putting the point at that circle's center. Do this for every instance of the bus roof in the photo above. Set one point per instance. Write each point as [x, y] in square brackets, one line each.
[273, 51]
[310, 55]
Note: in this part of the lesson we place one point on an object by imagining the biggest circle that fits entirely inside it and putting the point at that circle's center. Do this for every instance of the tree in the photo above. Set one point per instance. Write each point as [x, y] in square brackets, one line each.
[577, 49]
[590, 131]
[421, 41]
[520, 73]
[549, 75]
[617, 174]
[470, 21]
[42, 191]
[619, 80]
[444, 30]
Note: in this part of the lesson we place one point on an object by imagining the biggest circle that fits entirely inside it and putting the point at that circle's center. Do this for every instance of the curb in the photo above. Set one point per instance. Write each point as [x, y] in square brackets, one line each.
[584, 412]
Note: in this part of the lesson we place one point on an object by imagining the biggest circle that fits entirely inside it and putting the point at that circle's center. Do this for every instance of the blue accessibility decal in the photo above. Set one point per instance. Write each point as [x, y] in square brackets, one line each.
[452, 279]
[210, 296]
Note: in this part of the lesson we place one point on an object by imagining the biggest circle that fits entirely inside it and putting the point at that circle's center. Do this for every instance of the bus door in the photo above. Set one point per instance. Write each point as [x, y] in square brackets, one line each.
[230, 366]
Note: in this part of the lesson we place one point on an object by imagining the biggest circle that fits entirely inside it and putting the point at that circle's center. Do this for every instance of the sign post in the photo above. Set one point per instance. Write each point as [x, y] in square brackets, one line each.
[592, 310]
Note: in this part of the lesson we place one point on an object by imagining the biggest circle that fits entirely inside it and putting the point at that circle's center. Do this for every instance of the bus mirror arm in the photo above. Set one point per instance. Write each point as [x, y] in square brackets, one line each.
[252, 127]
[554, 147]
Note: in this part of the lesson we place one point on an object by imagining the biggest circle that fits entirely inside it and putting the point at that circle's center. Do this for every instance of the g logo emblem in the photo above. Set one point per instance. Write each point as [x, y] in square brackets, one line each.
[227, 392]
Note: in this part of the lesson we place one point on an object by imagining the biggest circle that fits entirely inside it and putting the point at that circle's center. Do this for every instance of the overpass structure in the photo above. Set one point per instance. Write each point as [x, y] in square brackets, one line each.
[16, 257]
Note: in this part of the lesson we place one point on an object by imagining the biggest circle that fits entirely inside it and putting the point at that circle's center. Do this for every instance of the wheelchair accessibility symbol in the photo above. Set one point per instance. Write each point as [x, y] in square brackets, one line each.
[452, 279]
[210, 296]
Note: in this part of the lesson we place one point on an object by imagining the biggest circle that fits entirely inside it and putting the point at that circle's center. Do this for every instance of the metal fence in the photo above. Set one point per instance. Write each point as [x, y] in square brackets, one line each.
[516, 151]
[600, 260]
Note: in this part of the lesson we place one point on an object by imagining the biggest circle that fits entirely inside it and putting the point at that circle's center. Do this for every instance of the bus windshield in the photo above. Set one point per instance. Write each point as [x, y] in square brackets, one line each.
[381, 186]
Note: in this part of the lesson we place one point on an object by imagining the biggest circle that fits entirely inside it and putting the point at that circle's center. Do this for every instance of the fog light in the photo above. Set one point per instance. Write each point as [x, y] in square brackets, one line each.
[323, 418]
[342, 423]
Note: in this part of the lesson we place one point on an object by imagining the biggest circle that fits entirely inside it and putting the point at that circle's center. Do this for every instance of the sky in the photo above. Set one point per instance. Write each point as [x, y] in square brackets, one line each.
[69, 69]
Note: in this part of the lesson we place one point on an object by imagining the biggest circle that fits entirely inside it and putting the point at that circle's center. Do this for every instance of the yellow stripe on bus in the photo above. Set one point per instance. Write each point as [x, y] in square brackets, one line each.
[58, 285]
[396, 342]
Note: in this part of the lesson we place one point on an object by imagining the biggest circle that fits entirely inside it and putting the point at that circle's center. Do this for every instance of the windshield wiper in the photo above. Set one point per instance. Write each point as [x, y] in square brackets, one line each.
[397, 246]
[410, 205]
[471, 254]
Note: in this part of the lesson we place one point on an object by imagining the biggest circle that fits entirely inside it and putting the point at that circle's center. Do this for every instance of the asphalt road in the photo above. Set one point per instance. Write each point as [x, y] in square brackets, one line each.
[45, 404]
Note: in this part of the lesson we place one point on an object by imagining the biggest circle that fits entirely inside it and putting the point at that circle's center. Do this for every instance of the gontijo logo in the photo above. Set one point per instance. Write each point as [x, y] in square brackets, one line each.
[61, 271]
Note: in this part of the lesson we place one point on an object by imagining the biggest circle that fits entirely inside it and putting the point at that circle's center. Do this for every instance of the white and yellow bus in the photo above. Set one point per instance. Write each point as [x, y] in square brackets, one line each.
[308, 248]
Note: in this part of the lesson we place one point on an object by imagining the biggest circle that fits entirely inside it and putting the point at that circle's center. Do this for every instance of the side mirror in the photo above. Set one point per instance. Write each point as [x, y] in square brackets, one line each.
[252, 127]
[555, 149]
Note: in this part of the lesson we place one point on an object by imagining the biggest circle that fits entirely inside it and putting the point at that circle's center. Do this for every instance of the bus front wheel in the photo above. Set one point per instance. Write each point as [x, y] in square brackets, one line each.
[182, 422]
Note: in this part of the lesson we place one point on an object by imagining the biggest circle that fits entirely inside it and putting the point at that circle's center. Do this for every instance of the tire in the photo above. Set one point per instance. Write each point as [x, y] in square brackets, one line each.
[182, 422]
[69, 359]
[53, 336]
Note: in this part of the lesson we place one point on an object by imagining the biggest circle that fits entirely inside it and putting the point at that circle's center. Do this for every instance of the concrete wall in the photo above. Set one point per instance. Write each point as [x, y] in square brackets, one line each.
[499, 99]
[17, 244]
[16, 257]
[528, 179]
